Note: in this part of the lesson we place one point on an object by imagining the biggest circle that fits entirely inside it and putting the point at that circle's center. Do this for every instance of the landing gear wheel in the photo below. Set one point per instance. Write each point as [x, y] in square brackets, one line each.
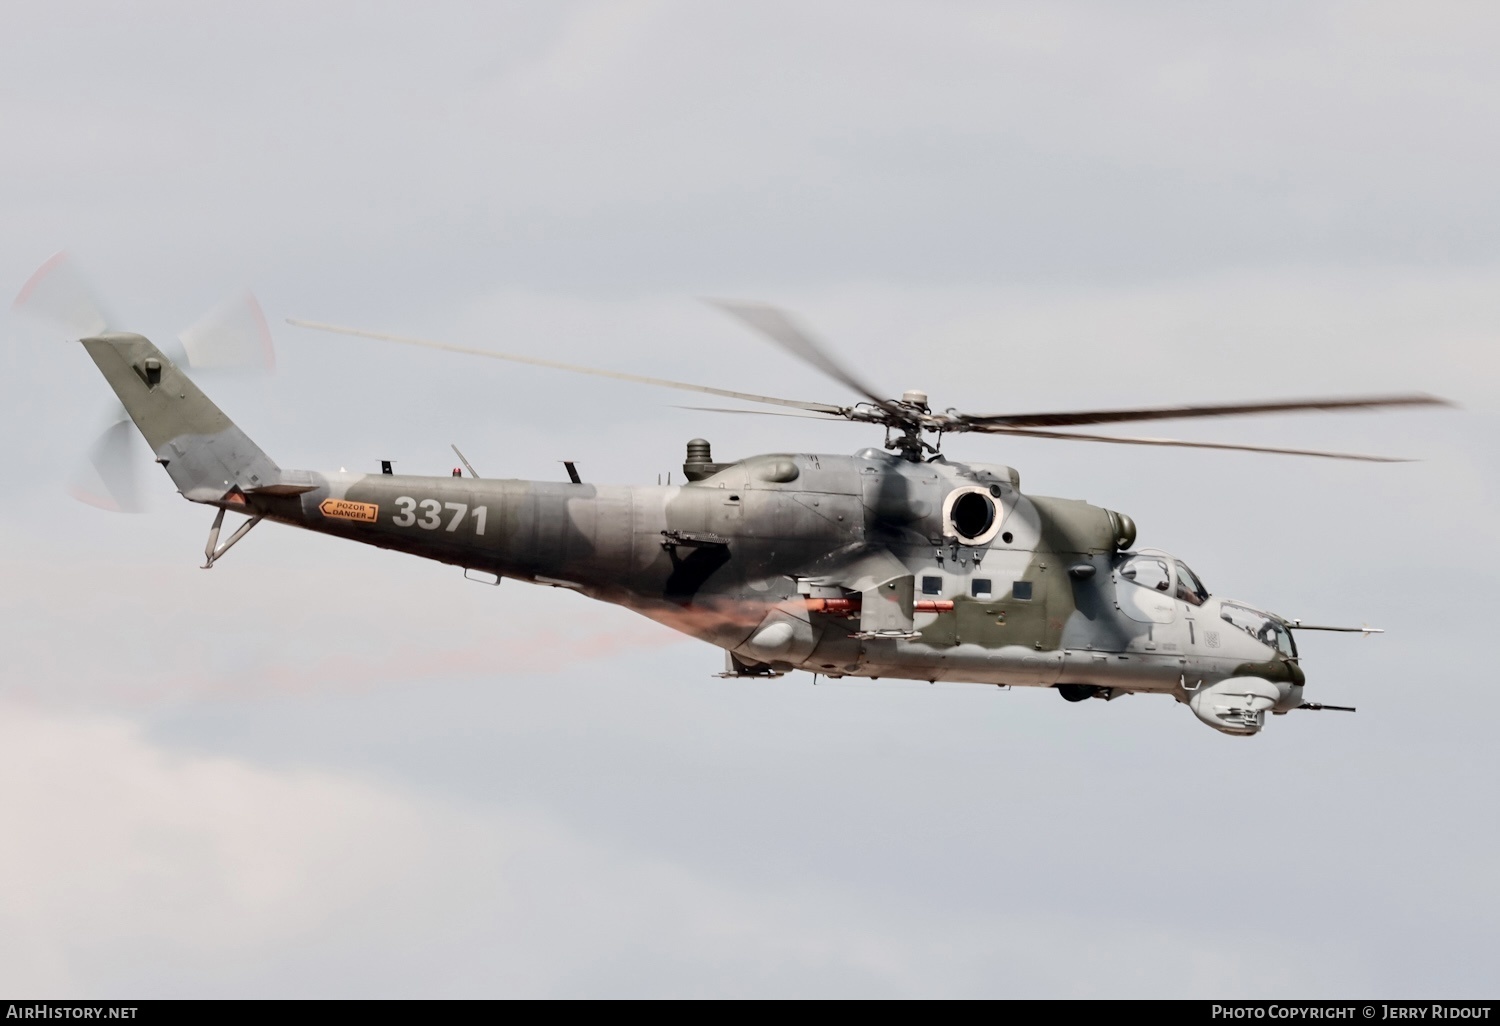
[1077, 692]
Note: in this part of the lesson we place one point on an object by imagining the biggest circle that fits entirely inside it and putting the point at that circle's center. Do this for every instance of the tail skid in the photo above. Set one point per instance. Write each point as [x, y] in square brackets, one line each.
[213, 550]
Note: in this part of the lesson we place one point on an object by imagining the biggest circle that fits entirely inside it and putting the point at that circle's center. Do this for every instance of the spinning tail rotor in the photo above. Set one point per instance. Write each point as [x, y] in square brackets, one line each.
[233, 337]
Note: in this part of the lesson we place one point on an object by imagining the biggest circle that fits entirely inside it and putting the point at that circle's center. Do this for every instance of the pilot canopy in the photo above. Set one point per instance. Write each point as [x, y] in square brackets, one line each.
[1162, 572]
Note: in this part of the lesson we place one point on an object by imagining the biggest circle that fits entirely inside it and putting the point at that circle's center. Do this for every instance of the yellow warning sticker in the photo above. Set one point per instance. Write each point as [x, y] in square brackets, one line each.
[345, 510]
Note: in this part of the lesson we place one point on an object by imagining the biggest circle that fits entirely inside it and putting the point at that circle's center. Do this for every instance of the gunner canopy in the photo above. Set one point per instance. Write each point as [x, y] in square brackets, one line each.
[1263, 627]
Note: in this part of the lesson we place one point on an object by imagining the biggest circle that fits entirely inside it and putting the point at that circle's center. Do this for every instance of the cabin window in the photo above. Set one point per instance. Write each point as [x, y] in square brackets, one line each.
[932, 586]
[981, 588]
[1021, 590]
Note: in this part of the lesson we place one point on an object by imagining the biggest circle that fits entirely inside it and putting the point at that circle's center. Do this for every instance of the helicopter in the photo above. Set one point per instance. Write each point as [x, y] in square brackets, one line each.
[892, 562]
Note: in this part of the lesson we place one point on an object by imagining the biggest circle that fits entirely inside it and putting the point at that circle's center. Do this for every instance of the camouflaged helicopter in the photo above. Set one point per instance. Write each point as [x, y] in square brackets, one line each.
[893, 562]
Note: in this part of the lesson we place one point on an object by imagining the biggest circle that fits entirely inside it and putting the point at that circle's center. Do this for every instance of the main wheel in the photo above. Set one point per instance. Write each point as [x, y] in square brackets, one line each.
[1077, 692]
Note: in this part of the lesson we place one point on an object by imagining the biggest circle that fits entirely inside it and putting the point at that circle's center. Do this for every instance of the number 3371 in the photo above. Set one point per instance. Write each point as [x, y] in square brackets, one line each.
[429, 514]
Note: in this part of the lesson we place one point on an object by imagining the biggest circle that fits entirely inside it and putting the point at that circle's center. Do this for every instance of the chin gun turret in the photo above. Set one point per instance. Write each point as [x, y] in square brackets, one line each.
[1239, 705]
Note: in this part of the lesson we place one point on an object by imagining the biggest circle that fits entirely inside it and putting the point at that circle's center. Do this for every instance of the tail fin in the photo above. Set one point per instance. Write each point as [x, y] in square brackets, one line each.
[208, 457]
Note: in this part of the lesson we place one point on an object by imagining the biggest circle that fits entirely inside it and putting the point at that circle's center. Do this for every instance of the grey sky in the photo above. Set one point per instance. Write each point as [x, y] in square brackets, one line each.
[321, 770]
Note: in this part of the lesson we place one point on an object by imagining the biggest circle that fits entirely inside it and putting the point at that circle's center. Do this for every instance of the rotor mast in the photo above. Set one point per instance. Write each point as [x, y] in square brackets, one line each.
[909, 416]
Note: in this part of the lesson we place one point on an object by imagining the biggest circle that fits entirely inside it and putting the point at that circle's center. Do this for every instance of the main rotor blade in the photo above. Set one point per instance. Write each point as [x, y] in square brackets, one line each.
[826, 418]
[534, 361]
[1206, 410]
[777, 326]
[1176, 443]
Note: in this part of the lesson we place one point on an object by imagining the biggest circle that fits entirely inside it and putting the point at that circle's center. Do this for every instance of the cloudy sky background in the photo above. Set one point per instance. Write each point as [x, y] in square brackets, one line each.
[320, 770]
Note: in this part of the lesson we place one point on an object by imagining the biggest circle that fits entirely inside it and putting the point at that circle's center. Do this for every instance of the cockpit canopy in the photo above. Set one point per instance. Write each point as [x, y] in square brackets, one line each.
[1189, 588]
[1263, 627]
[1161, 572]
